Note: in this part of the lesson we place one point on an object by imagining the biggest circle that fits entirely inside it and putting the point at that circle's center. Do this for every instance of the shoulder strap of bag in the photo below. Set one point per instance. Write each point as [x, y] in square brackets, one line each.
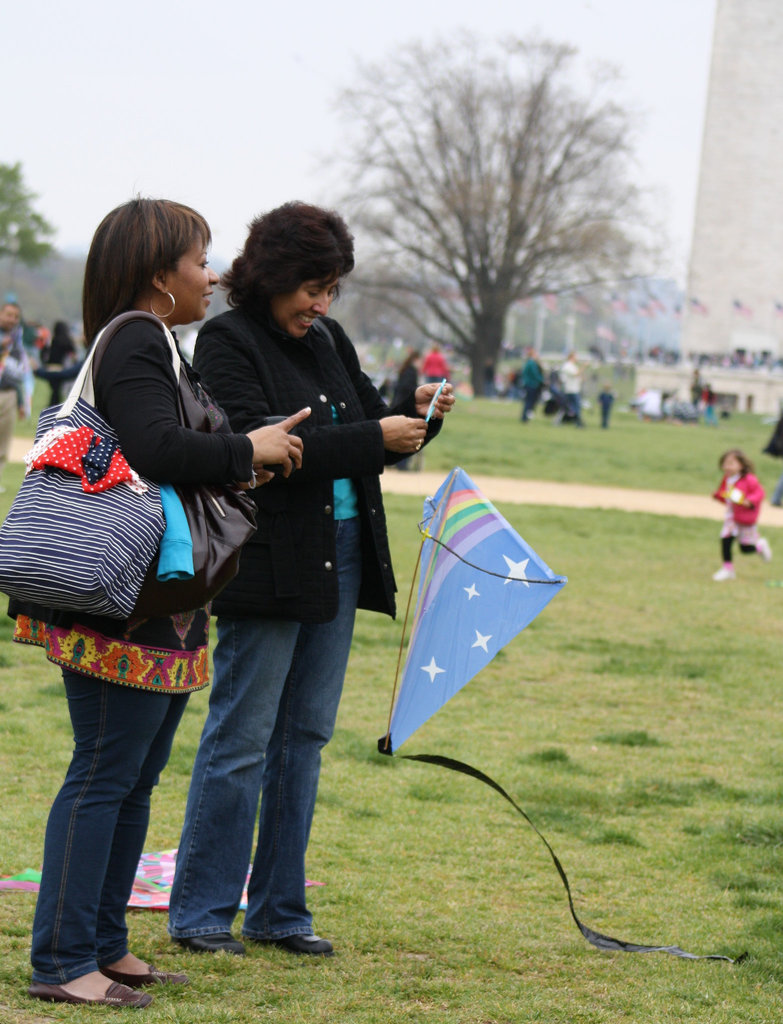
[84, 385]
[323, 329]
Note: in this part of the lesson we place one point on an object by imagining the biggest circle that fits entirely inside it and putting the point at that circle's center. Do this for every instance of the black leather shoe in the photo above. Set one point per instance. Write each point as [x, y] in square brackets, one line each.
[152, 976]
[311, 945]
[217, 942]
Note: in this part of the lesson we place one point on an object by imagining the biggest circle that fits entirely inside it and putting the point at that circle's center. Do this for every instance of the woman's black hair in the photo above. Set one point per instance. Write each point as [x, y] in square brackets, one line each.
[291, 244]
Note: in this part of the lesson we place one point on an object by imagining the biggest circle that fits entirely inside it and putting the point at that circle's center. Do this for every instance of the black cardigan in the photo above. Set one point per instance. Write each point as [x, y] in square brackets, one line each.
[255, 370]
[136, 391]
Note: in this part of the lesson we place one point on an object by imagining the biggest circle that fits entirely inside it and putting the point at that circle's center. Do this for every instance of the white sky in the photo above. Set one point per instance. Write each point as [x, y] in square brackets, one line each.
[228, 106]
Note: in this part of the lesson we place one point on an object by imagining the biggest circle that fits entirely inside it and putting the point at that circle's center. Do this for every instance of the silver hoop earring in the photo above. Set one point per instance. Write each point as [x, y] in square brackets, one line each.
[163, 316]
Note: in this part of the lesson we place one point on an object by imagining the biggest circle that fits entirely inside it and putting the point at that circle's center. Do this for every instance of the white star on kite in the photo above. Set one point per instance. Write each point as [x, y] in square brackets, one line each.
[471, 591]
[432, 669]
[481, 641]
[516, 570]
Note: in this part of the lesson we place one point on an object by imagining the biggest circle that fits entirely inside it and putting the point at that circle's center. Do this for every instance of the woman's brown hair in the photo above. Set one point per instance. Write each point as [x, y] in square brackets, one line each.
[130, 246]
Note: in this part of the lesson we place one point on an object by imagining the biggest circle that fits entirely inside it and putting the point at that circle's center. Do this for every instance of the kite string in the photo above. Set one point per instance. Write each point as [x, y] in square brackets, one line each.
[426, 535]
[386, 741]
[402, 644]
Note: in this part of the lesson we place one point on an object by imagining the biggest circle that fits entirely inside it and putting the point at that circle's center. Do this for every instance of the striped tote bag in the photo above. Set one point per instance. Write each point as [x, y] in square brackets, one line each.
[80, 540]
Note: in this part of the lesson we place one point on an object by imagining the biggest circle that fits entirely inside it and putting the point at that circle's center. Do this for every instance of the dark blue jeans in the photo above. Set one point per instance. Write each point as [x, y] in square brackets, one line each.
[98, 824]
[272, 708]
[574, 402]
[530, 402]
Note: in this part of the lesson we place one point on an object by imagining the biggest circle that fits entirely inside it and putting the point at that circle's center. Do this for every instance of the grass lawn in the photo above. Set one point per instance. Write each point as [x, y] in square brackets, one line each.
[487, 437]
[635, 721]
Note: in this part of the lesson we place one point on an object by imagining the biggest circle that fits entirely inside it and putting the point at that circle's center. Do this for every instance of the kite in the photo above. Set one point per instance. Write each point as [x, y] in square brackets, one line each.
[480, 584]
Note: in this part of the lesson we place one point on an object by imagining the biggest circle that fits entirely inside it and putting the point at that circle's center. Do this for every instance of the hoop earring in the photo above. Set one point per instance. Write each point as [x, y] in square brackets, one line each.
[163, 316]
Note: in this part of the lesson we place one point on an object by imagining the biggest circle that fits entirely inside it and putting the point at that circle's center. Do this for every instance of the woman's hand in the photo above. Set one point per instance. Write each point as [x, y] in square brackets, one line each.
[275, 446]
[444, 404]
[262, 476]
[403, 434]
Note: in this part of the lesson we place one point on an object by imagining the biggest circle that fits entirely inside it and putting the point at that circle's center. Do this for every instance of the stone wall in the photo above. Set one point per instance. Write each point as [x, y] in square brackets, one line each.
[756, 391]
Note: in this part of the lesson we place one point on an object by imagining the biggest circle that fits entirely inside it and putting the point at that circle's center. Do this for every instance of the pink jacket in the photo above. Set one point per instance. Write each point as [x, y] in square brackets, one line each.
[747, 512]
[435, 365]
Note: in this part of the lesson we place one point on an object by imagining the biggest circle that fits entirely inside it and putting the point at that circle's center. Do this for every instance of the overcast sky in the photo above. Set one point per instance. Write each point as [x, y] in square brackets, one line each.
[228, 106]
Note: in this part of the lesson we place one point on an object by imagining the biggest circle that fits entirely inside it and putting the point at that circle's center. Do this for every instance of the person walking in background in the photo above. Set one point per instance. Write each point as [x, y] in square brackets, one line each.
[697, 386]
[435, 367]
[775, 448]
[708, 406]
[532, 381]
[407, 377]
[571, 376]
[606, 401]
[58, 361]
[61, 350]
[406, 384]
[14, 369]
[742, 494]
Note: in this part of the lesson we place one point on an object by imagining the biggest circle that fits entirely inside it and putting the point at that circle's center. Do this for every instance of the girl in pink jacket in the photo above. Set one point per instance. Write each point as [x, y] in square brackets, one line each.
[742, 495]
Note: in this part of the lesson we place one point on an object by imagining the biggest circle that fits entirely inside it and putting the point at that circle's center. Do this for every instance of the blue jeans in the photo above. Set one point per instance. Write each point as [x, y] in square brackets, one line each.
[530, 402]
[777, 494]
[98, 824]
[273, 705]
[574, 403]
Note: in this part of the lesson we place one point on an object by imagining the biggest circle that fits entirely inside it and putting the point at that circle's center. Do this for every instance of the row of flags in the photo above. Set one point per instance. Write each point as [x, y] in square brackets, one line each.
[649, 306]
[577, 303]
[738, 308]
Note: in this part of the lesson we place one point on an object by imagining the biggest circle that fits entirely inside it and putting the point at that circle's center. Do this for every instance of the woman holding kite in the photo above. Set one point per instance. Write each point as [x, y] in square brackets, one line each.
[285, 623]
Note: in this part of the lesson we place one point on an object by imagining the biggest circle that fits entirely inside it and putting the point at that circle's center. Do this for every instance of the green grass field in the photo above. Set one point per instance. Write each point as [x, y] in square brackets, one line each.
[635, 720]
[488, 437]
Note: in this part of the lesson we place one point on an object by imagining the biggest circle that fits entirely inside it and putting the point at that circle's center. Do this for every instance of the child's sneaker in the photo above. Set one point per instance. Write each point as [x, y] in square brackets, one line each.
[764, 549]
[726, 572]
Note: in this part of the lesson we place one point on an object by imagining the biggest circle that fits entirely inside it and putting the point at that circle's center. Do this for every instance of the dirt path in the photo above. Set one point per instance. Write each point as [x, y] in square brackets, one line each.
[547, 492]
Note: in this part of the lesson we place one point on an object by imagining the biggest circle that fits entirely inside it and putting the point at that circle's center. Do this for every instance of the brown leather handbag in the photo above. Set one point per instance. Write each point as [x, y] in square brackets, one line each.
[221, 518]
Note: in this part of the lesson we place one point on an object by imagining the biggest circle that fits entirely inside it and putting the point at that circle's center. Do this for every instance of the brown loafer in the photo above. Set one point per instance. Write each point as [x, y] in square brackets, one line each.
[115, 995]
[152, 977]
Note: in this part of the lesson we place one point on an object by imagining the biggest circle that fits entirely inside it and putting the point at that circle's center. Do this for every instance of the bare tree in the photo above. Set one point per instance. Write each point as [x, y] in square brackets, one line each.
[481, 175]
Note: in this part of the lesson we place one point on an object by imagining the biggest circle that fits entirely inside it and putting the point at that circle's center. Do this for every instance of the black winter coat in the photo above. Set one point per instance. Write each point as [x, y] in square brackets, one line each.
[255, 370]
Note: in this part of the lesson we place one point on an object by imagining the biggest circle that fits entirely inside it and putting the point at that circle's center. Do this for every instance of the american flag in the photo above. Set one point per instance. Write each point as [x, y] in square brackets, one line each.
[619, 305]
[581, 305]
[550, 302]
[741, 309]
[698, 307]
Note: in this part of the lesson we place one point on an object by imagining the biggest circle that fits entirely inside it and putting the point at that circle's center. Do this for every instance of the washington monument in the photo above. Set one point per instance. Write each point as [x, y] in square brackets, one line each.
[735, 282]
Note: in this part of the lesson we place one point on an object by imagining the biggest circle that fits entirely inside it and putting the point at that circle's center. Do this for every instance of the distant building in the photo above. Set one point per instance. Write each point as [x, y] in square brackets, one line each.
[735, 283]
[736, 390]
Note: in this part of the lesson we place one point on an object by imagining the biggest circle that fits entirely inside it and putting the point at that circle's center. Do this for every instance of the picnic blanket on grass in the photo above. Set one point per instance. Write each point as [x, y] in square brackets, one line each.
[151, 887]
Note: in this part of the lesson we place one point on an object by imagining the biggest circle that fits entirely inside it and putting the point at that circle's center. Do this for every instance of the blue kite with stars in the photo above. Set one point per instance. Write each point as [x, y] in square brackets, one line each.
[480, 584]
